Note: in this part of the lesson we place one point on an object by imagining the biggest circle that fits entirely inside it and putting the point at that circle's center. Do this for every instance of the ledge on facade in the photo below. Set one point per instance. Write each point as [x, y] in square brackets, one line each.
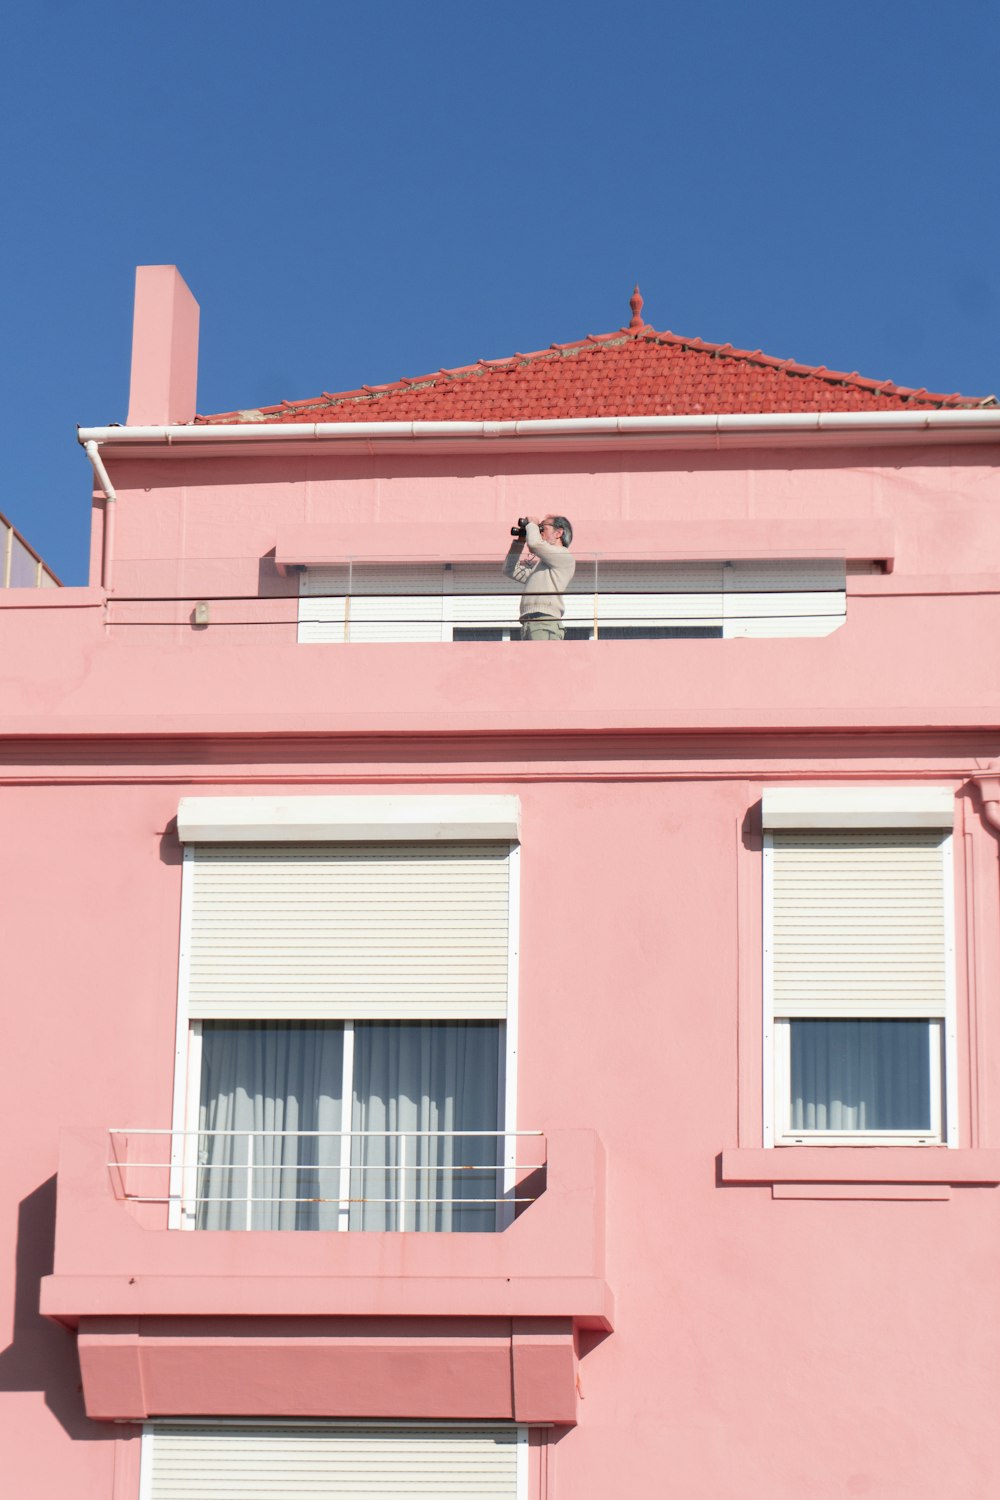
[64, 597]
[314, 544]
[885, 1165]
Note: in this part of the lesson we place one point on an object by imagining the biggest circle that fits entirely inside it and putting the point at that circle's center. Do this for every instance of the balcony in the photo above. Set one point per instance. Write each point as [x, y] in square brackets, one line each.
[391, 1322]
[87, 671]
[423, 1181]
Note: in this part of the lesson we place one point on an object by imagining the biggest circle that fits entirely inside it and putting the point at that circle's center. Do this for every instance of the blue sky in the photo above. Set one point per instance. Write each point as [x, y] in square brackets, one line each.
[356, 193]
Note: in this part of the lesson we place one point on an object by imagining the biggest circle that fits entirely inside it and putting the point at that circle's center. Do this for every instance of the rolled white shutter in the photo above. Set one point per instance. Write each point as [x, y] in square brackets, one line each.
[651, 593]
[784, 597]
[232, 1461]
[859, 923]
[346, 931]
[481, 595]
[424, 601]
[371, 603]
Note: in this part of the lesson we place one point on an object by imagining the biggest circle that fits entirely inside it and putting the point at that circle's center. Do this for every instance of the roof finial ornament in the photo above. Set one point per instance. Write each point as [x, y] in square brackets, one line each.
[635, 303]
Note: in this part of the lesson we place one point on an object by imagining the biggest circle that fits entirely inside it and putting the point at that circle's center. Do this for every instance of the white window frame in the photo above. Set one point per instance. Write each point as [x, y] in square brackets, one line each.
[182, 1211]
[147, 1451]
[784, 1135]
[851, 809]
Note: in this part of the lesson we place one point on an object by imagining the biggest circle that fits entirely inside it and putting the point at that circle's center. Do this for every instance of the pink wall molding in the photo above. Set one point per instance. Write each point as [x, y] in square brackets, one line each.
[860, 539]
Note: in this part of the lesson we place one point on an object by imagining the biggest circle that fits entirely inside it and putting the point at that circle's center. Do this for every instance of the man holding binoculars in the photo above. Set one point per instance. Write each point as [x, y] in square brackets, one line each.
[544, 573]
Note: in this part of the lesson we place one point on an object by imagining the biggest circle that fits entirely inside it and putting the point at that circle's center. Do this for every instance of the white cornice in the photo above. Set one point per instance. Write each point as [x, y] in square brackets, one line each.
[733, 429]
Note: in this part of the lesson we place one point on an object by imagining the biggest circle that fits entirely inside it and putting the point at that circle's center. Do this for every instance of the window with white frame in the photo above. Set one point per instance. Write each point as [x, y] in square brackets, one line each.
[607, 600]
[859, 1005]
[346, 1031]
[284, 1460]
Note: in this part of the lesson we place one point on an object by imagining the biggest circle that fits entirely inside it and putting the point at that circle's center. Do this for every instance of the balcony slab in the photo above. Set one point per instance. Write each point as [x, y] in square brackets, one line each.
[334, 1324]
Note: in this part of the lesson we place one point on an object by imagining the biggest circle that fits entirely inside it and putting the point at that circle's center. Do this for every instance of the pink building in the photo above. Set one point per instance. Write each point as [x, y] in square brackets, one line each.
[457, 1072]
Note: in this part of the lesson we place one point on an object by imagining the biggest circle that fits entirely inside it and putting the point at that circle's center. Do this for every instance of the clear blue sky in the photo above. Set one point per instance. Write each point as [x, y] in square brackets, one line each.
[358, 192]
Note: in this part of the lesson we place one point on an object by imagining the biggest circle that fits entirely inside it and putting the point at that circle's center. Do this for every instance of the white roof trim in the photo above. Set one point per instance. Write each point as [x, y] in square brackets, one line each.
[858, 807]
[386, 818]
[952, 421]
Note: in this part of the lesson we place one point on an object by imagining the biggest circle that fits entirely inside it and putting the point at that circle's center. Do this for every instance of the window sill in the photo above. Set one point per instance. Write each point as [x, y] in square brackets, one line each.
[860, 1171]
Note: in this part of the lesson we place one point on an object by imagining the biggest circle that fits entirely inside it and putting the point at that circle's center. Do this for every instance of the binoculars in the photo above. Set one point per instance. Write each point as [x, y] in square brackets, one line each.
[519, 529]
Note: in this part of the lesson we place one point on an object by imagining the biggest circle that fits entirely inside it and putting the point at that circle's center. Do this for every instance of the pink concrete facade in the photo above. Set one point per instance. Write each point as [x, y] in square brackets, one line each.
[682, 1311]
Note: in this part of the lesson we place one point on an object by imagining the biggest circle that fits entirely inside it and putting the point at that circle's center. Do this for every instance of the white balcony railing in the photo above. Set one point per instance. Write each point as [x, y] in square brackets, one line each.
[424, 1180]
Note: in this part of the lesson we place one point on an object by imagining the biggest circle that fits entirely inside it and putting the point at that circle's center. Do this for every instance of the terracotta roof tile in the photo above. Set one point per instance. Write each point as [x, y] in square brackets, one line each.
[630, 372]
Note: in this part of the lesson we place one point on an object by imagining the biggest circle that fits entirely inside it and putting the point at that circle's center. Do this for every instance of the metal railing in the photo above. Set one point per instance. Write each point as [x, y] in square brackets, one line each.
[20, 565]
[435, 1180]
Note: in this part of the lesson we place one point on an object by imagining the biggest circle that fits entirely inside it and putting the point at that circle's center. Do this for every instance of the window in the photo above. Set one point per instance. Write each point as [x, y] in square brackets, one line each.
[285, 1460]
[609, 600]
[346, 1024]
[277, 1149]
[858, 949]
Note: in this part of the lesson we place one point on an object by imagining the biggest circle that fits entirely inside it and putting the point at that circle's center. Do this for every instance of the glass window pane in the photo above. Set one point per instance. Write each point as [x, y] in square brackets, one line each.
[862, 1075]
[259, 1078]
[417, 1087]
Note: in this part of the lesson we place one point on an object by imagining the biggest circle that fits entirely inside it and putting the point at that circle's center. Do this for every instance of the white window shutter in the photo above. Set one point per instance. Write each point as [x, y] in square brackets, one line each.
[650, 593]
[372, 603]
[229, 1461]
[859, 923]
[481, 595]
[349, 930]
[784, 597]
[425, 601]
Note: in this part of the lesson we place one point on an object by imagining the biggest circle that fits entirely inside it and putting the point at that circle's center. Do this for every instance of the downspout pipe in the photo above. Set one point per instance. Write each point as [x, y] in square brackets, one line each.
[989, 795]
[103, 480]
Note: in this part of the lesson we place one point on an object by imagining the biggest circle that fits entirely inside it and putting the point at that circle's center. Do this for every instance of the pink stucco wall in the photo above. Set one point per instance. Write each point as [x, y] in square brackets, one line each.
[827, 1334]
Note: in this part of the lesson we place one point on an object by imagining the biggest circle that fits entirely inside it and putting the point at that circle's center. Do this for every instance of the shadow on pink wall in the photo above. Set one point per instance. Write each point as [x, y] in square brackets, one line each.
[42, 1356]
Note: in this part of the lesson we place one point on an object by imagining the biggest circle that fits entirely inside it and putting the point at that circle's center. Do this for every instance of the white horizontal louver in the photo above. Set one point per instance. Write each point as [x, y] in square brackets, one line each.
[648, 594]
[784, 597]
[285, 1462]
[426, 601]
[859, 924]
[481, 596]
[349, 930]
[368, 603]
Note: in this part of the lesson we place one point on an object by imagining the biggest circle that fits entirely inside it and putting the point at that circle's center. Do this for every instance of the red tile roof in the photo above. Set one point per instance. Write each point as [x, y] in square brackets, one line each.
[634, 371]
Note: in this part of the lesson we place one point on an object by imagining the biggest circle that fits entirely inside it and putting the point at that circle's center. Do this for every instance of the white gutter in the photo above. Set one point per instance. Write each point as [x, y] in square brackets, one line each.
[953, 422]
[110, 507]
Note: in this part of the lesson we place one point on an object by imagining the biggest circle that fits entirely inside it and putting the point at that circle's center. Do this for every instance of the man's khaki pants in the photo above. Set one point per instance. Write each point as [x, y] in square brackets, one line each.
[542, 630]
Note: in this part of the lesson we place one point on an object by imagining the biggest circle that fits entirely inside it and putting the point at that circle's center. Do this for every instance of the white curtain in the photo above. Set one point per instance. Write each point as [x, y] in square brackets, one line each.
[264, 1076]
[425, 1076]
[861, 1075]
